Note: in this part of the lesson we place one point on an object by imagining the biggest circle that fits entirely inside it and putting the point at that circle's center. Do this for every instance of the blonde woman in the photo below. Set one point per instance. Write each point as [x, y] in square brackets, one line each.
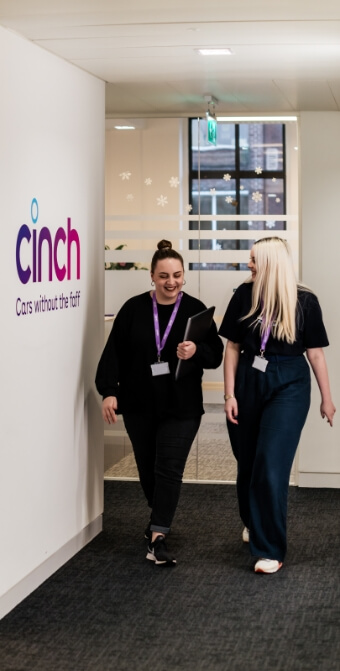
[270, 322]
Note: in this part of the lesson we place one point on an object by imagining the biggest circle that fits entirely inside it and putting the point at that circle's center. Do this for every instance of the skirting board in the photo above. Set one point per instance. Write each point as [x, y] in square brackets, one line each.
[28, 584]
[315, 480]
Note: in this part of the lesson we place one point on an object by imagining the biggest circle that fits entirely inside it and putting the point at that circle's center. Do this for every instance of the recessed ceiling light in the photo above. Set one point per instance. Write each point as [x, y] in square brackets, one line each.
[215, 52]
[124, 124]
[125, 127]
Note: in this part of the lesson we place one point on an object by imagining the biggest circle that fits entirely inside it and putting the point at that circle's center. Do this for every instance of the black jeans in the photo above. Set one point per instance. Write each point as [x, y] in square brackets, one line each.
[161, 448]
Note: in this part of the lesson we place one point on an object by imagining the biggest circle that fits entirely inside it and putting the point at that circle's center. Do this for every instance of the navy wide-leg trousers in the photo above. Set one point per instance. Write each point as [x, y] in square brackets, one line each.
[272, 410]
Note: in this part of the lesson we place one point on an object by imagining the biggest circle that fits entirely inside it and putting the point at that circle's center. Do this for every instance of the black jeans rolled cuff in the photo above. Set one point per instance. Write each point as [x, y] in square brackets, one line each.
[161, 530]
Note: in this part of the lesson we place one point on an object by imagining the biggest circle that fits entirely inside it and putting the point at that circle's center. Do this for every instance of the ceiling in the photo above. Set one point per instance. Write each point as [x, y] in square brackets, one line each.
[286, 55]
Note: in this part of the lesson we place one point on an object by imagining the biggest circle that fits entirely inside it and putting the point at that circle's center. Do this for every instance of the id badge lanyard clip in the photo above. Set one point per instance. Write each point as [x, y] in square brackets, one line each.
[264, 340]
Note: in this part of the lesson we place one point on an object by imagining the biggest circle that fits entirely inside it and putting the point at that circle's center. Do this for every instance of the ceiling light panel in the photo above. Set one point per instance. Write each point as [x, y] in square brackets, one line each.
[222, 51]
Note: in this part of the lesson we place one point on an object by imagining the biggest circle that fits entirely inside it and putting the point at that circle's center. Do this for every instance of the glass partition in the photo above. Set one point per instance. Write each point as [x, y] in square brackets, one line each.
[164, 180]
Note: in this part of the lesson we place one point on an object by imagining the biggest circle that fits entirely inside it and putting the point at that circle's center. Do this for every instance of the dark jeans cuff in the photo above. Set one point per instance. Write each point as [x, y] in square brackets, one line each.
[162, 530]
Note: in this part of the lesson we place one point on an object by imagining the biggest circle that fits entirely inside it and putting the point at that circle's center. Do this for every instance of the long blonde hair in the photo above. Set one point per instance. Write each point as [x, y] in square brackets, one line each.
[275, 288]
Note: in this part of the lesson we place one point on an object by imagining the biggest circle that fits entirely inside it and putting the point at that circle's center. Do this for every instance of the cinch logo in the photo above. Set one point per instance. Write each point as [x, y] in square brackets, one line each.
[31, 243]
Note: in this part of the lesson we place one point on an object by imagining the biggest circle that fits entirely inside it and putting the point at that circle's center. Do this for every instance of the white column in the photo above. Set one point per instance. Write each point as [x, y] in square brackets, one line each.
[319, 453]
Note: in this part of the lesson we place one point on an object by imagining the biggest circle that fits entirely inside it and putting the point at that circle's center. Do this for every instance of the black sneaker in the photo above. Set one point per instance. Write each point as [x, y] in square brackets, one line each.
[158, 552]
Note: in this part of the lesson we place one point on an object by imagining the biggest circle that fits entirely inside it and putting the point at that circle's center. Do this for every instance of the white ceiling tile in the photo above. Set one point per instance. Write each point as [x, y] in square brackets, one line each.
[308, 95]
[286, 55]
[334, 86]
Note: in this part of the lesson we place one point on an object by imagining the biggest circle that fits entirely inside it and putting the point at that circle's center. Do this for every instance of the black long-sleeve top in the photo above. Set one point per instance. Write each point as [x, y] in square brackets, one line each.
[124, 369]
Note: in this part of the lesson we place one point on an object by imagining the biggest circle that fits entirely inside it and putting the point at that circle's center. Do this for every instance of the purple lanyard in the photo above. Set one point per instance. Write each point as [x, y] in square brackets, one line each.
[264, 338]
[265, 335]
[160, 344]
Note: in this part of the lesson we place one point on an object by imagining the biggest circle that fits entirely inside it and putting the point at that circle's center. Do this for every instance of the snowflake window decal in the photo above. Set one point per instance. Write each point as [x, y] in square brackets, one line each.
[228, 199]
[212, 191]
[148, 181]
[258, 170]
[227, 177]
[256, 196]
[162, 200]
[277, 200]
[125, 175]
[188, 208]
[270, 224]
[273, 179]
[174, 182]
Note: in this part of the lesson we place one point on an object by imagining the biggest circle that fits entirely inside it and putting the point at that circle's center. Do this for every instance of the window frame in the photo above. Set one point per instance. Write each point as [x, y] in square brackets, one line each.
[237, 175]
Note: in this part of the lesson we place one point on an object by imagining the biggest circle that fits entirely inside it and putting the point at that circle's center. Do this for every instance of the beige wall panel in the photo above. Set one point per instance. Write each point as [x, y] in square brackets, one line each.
[320, 178]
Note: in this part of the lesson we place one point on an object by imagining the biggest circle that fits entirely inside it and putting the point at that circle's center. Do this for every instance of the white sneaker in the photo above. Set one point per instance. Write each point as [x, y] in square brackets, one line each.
[245, 535]
[267, 566]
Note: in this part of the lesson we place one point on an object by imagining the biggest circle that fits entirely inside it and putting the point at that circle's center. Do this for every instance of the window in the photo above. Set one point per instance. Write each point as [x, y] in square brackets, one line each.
[243, 176]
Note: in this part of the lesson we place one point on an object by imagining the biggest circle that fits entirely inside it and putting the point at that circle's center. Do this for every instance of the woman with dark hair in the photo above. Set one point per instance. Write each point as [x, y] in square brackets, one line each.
[136, 377]
[271, 321]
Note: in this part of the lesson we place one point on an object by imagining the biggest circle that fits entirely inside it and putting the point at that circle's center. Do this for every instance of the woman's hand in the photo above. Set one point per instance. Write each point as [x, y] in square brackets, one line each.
[231, 410]
[186, 349]
[231, 359]
[109, 407]
[328, 410]
[317, 360]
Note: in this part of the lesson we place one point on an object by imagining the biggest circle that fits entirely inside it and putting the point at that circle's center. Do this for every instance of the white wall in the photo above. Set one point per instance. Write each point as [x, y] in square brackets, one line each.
[319, 453]
[51, 460]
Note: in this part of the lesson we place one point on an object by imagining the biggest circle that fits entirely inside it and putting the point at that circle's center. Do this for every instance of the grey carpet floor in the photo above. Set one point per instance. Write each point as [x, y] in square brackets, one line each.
[110, 609]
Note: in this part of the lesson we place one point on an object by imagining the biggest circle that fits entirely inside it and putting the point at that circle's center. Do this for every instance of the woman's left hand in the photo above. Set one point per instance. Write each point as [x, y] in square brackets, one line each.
[186, 349]
[328, 410]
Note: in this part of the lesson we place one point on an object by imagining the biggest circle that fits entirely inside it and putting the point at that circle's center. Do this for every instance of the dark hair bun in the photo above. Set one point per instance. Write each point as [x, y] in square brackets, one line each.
[164, 244]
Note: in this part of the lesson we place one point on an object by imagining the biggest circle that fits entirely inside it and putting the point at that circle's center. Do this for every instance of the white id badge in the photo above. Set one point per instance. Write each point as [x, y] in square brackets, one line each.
[260, 363]
[160, 368]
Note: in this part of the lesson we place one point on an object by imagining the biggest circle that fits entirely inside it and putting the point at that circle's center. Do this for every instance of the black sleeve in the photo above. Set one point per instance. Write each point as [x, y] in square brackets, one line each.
[231, 327]
[311, 322]
[107, 376]
[209, 353]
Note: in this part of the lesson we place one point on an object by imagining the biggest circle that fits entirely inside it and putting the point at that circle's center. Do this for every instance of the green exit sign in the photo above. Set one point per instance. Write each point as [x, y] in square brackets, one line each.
[212, 130]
